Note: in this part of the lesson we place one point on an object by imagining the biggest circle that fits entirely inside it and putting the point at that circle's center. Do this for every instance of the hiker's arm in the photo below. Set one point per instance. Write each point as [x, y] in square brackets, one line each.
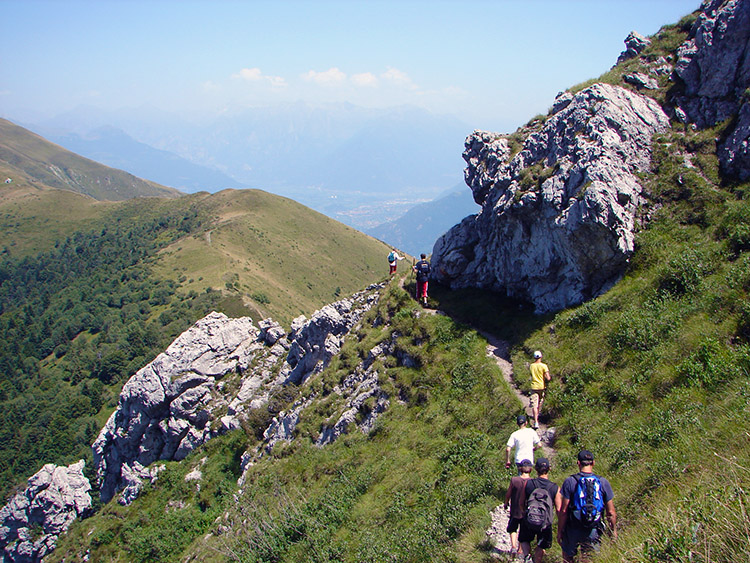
[562, 518]
[547, 376]
[507, 456]
[558, 502]
[507, 498]
[611, 517]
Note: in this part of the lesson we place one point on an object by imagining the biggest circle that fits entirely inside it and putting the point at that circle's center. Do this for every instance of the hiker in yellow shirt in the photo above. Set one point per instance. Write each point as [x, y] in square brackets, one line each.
[539, 378]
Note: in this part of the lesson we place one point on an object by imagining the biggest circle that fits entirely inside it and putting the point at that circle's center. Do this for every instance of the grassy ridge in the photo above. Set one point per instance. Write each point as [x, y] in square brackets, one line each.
[273, 255]
[27, 157]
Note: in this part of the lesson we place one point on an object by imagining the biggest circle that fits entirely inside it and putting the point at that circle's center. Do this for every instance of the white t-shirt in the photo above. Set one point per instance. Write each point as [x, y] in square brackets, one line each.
[524, 440]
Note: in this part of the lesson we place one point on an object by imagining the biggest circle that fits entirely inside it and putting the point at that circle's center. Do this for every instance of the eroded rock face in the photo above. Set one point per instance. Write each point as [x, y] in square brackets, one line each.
[34, 518]
[181, 399]
[713, 67]
[557, 220]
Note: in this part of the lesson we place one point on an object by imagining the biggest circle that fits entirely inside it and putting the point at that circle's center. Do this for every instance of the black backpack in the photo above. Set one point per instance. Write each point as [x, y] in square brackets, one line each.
[423, 270]
[540, 509]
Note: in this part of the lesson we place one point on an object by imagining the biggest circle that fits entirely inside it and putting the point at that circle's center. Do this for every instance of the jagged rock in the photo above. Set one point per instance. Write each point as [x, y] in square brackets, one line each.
[485, 153]
[557, 225]
[640, 80]
[133, 476]
[162, 411]
[178, 402]
[34, 518]
[634, 44]
[714, 68]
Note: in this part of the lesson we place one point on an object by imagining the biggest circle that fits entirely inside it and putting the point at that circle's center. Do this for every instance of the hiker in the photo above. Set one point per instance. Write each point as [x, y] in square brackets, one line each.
[422, 269]
[393, 259]
[539, 378]
[543, 501]
[516, 497]
[585, 498]
[524, 440]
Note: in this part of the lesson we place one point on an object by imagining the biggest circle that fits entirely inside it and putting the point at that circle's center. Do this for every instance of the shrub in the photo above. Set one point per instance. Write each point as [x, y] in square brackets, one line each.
[684, 273]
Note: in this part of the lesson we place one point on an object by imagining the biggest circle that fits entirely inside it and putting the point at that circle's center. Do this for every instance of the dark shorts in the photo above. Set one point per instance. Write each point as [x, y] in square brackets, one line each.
[573, 537]
[527, 535]
[513, 525]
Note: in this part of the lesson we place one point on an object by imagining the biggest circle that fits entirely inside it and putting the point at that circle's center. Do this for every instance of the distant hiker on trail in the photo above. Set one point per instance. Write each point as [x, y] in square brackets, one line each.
[539, 378]
[524, 440]
[516, 497]
[393, 259]
[586, 497]
[543, 501]
[422, 269]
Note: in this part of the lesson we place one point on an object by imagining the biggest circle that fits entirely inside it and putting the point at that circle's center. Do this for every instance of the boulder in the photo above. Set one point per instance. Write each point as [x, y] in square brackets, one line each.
[634, 44]
[33, 519]
[557, 221]
[179, 401]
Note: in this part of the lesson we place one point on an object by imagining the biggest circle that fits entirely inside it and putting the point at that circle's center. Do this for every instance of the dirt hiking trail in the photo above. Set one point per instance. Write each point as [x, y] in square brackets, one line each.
[499, 350]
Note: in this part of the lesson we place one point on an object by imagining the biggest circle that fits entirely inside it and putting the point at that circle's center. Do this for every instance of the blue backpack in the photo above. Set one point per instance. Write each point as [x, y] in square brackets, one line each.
[588, 500]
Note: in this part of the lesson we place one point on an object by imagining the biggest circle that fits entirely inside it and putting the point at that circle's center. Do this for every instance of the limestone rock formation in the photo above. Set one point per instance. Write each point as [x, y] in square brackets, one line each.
[713, 70]
[557, 219]
[182, 399]
[34, 518]
[634, 44]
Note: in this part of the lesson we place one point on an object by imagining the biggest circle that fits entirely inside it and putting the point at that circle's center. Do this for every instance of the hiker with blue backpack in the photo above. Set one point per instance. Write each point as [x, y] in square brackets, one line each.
[587, 499]
[393, 258]
[543, 501]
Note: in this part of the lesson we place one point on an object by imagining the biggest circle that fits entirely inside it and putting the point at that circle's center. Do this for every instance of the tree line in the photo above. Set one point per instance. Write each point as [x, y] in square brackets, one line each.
[75, 323]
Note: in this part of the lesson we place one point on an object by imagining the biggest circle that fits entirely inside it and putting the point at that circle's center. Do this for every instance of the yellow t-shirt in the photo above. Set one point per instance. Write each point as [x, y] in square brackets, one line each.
[538, 369]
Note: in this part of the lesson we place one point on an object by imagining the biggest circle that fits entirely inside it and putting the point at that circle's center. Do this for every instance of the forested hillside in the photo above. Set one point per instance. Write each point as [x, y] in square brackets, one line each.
[81, 313]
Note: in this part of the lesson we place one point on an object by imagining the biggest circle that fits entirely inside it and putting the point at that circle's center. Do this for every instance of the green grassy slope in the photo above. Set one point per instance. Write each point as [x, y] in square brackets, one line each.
[273, 256]
[418, 488]
[27, 157]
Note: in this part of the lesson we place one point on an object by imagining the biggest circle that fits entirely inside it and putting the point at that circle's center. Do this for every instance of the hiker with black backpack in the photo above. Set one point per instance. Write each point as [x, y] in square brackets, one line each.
[543, 501]
[422, 269]
[586, 499]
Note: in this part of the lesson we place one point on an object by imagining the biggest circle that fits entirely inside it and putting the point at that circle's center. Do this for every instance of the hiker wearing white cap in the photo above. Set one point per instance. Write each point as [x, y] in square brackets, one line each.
[539, 378]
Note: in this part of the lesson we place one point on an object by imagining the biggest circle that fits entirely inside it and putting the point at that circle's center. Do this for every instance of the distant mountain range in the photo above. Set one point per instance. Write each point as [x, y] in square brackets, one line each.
[116, 148]
[333, 158]
[417, 230]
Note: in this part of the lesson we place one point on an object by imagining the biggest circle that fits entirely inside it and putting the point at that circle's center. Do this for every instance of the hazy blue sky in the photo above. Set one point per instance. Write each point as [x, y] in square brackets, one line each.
[494, 64]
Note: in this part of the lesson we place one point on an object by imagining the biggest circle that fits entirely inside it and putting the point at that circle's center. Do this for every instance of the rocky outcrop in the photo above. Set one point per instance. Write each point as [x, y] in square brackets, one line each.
[713, 72]
[34, 518]
[184, 397]
[634, 44]
[557, 220]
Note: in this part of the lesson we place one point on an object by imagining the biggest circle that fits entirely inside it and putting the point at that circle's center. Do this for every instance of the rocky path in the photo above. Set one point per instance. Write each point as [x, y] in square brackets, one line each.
[496, 534]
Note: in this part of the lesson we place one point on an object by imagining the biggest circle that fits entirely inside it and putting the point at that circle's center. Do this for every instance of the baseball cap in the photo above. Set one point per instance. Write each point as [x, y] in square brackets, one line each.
[542, 465]
[537, 354]
[520, 419]
[585, 455]
[526, 463]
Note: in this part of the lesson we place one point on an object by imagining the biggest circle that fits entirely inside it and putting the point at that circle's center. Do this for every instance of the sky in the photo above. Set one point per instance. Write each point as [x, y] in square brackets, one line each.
[492, 64]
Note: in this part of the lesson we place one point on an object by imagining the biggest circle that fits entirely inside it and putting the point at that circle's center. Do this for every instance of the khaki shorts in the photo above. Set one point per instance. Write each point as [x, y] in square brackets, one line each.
[537, 396]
